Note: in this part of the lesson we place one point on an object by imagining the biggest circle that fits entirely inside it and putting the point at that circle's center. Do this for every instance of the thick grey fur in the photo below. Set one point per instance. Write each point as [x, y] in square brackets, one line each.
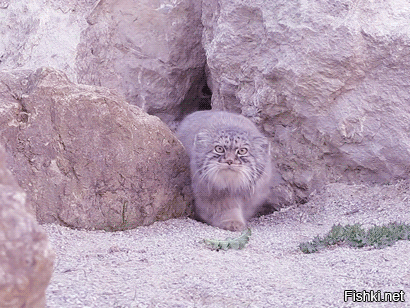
[228, 187]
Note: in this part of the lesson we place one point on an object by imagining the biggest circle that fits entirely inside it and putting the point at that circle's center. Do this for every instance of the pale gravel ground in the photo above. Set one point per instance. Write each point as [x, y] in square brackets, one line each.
[167, 264]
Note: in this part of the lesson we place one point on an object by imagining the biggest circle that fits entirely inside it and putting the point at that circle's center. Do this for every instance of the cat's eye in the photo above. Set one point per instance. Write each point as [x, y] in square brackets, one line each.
[219, 149]
[242, 151]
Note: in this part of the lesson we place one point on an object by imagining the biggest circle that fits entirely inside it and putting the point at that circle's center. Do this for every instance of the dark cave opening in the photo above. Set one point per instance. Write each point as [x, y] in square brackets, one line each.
[198, 98]
[205, 101]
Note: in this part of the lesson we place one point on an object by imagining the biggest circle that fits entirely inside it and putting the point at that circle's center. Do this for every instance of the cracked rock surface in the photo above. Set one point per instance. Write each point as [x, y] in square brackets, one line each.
[87, 158]
[327, 81]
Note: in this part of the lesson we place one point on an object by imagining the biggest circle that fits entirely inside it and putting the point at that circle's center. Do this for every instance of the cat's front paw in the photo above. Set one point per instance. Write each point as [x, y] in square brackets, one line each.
[233, 225]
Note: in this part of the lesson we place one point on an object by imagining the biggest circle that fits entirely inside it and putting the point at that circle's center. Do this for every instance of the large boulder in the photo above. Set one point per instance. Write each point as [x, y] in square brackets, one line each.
[86, 157]
[328, 81]
[26, 257]
[149, 50]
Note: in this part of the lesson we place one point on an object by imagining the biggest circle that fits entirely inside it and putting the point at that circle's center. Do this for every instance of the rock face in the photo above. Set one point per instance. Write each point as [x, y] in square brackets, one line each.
[39, 33]
[149, 50]
[87, 158]
[327, 81]
[25, 255]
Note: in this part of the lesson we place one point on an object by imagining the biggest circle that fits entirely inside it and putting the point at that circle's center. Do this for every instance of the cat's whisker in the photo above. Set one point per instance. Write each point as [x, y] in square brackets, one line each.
[250, 181]
[212, 175]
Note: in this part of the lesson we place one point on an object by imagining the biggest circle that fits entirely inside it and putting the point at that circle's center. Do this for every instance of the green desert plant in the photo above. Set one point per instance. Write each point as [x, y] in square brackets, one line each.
[356, 236]
[234, 243]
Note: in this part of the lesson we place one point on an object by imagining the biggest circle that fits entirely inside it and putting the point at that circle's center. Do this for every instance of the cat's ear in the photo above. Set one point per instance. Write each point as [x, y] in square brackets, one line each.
[201, 140]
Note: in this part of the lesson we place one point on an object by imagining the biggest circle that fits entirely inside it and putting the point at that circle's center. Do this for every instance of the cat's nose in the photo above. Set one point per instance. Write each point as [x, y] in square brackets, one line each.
[229, 162]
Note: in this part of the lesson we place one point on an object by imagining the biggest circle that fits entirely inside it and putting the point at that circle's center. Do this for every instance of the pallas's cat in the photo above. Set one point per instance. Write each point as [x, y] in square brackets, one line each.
[230, 167]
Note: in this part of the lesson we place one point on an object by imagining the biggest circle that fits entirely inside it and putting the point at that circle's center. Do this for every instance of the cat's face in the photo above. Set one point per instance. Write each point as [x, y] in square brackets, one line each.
[231, 159]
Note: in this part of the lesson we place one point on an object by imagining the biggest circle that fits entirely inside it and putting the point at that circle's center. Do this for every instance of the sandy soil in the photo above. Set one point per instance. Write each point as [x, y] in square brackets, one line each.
[168, 265]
